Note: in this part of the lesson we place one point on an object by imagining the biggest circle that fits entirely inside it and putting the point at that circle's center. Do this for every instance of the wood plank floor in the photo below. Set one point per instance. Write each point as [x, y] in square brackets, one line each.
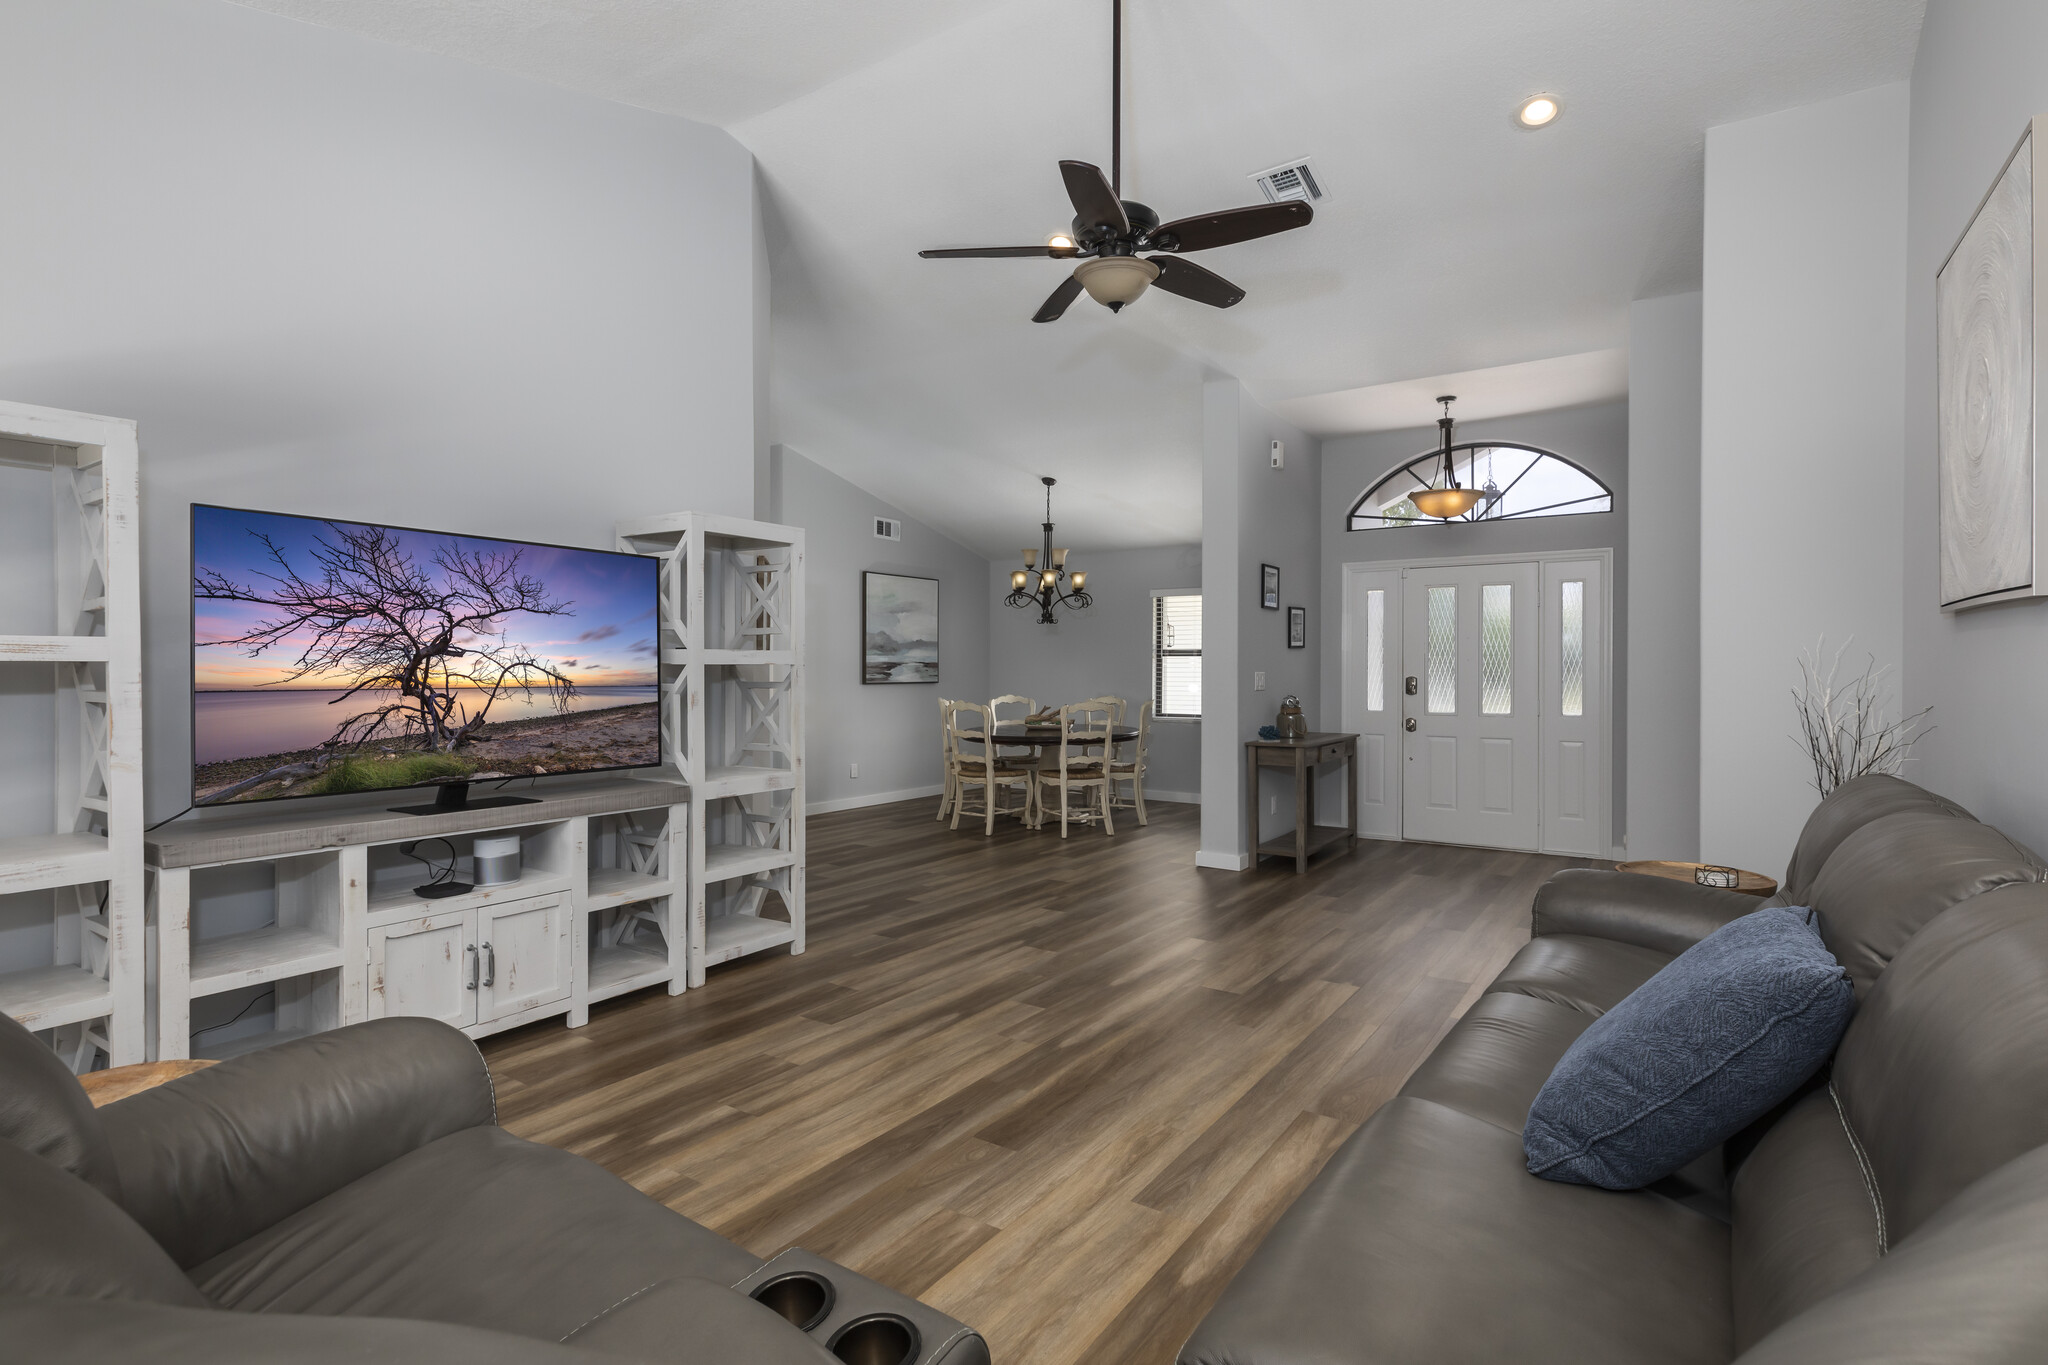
[1056, 1089]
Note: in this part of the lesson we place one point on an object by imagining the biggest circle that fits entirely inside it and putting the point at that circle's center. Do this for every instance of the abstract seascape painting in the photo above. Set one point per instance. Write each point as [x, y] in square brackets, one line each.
[899, 629]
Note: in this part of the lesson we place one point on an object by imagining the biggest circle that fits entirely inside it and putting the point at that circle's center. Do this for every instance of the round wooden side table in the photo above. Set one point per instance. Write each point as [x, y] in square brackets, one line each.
[1748, 883]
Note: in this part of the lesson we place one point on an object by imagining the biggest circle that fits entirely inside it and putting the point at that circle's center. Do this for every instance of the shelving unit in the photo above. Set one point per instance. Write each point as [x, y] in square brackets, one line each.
[732, 696]
[89, 999]
[321, 906]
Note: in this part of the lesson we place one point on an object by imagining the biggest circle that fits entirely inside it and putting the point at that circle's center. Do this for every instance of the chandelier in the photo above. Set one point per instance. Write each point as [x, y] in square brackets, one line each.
[1450, 500]
[1043, 581]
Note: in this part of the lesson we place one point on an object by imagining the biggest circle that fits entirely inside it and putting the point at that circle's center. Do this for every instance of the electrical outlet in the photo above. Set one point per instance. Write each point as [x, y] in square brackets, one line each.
[1258, 682]
[853, 770]
[1279, 455]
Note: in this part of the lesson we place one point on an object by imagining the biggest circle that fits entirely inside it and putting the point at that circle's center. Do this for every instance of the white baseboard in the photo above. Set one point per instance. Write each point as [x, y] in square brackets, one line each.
[873, 799]
[1228, 862]
[1179, 798]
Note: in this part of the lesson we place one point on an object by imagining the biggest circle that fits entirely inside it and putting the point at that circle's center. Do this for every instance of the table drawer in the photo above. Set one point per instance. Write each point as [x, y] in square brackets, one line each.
[1333, 753]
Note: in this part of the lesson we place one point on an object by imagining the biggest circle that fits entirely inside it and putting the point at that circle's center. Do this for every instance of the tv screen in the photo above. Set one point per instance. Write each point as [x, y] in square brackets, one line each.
[337, 656]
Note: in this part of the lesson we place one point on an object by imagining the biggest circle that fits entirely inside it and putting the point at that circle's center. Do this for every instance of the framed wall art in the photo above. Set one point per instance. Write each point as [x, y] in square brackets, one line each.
[1988, 358]
[1269, 586]
[1297, 627]
[899, 629]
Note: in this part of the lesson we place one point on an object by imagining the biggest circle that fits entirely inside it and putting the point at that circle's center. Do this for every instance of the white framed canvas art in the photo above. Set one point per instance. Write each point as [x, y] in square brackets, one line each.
[1988, 358]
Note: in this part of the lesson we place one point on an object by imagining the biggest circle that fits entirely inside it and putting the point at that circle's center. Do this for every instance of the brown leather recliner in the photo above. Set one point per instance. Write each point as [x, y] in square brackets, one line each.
[1897, 1211]
[345, 1197]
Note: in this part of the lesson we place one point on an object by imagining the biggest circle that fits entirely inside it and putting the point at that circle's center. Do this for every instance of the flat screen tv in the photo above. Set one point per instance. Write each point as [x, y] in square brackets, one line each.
[335, 656]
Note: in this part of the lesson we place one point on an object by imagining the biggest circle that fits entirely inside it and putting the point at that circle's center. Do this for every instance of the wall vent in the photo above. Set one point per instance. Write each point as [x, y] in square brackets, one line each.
[1290, 180]
[888, 528]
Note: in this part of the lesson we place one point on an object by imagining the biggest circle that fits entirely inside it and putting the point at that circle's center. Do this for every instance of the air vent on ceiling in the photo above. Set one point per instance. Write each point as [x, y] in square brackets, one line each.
[1290, 180]
[888, 528]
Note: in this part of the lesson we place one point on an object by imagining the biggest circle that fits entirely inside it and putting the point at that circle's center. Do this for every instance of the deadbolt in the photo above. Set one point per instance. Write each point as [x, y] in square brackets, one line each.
[1414, 686]
[1409, 725]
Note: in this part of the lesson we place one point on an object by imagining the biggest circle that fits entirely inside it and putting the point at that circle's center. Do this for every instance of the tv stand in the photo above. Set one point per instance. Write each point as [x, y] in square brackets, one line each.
[454, 796]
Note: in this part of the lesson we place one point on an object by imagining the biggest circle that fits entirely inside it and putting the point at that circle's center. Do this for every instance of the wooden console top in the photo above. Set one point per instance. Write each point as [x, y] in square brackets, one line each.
[226, 834]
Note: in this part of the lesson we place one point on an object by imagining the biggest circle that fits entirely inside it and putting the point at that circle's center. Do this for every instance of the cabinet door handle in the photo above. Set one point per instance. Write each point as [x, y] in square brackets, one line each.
[471, 950]
[490, 965]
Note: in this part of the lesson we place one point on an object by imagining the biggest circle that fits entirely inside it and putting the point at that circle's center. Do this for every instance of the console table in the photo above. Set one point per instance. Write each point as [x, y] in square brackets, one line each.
[1303, 755]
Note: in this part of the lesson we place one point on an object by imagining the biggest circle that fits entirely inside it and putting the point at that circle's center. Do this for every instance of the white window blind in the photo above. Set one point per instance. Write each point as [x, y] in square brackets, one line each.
[1177, 654]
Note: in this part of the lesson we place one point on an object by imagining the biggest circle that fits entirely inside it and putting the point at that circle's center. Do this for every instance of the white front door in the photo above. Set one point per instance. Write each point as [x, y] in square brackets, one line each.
[1575, 818]
[1372, 696]
[1470, 699]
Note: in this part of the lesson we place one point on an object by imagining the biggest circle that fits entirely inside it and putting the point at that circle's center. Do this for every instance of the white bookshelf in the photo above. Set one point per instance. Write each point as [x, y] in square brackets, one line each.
[89, 999]
[732, 670]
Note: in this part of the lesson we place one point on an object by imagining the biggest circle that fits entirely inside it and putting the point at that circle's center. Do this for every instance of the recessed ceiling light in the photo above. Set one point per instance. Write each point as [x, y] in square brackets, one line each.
[1537, 110]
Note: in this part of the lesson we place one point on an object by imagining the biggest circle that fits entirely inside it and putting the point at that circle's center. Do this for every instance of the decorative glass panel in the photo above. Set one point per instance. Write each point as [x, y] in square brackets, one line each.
[1573, 620]
[1519, 482]
[1443, 650]
[1376, 649]
[1496, 649]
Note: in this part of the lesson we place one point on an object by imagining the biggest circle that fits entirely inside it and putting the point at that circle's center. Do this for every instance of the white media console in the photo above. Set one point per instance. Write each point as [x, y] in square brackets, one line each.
[320, 906]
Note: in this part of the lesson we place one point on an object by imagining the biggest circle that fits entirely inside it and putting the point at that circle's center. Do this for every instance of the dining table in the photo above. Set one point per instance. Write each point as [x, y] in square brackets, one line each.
[1048, 736]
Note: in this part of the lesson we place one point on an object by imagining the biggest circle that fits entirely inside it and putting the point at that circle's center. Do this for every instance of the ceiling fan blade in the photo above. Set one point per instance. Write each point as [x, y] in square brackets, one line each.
[1056, 304]
[1095, 203]
[1191, 281]
[1207, 230]
[956, 252]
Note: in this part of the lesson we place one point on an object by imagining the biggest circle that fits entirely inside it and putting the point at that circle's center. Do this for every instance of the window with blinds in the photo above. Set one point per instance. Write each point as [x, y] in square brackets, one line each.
[1177, 654]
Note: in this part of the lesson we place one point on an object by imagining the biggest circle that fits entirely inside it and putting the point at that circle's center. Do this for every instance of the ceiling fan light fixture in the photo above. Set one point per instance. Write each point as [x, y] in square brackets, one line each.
[1114, 281]
[1061, 241]
[1538, 111]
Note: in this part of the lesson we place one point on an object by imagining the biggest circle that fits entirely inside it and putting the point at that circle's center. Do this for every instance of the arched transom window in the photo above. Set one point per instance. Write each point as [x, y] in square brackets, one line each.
[1519, 481]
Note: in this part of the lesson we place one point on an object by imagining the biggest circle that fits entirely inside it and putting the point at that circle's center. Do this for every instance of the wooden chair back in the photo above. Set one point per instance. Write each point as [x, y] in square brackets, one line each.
[969, 737]
[1083, 725]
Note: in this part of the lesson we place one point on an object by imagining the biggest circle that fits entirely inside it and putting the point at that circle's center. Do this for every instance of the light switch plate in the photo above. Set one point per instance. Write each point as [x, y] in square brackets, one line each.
[1258, 682]
[1279, 455]
[853, 770]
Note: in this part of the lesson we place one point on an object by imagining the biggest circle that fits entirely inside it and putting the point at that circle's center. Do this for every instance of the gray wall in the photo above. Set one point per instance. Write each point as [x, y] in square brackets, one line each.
[892, 729]
[339, 278]
[1982, 73]
[1103, 651]
[1800, 455]
[1663, 660]
[1252, 514]
[1595, 436]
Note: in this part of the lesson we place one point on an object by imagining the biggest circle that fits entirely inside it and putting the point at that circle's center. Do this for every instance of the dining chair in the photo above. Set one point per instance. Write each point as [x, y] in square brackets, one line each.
[946, 770]
[1129, 766]
[1082, 725]
[977, 764]
[1115, 706]
[1026, 708]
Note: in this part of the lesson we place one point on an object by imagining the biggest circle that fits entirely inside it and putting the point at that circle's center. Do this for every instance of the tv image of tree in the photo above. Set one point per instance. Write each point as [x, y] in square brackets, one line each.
[368, 656]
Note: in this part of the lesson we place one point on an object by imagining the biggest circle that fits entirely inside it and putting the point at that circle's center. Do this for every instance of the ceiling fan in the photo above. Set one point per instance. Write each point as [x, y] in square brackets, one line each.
[1110, 233]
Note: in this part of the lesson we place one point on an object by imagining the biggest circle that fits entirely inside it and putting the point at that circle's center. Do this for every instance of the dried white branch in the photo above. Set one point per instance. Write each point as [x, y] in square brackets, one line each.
[1844, 727]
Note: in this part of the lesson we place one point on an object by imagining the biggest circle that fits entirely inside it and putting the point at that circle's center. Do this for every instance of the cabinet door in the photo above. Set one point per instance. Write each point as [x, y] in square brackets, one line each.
[526, 960]
[425, 966]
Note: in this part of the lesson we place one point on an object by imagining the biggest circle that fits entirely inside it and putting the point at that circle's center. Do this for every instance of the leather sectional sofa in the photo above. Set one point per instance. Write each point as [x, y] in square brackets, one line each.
[1896, 1211]
[350, 1197]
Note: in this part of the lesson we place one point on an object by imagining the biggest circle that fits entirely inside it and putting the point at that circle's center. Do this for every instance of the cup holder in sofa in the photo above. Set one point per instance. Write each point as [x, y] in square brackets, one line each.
[800, 1296]
[877, 1339]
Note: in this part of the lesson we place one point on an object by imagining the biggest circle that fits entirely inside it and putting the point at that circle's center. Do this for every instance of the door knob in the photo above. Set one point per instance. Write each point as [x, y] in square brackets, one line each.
[1413, 685]
[1409, 725]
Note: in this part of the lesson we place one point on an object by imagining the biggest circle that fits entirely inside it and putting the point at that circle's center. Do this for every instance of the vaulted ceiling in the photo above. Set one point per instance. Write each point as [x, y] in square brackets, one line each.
[1451, 241]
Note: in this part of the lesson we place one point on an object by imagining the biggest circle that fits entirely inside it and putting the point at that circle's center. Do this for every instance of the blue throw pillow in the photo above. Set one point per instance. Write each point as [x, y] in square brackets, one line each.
[1698, 1052]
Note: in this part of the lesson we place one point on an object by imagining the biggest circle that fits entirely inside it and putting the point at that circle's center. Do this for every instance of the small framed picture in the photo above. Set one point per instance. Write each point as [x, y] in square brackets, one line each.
[1269, 586]
[1297, 627]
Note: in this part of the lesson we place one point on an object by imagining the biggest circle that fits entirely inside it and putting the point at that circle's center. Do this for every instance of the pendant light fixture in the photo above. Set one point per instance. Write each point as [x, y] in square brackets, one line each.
[1043, 582]
[1449, 500]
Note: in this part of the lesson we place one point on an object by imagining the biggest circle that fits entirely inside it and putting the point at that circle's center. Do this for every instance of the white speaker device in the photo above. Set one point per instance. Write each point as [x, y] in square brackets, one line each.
[495, 859]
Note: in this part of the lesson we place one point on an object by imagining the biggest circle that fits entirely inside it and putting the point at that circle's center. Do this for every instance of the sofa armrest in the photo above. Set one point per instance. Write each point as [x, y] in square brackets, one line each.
[113, 1332]
[211, 1159]
[1628, 907]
